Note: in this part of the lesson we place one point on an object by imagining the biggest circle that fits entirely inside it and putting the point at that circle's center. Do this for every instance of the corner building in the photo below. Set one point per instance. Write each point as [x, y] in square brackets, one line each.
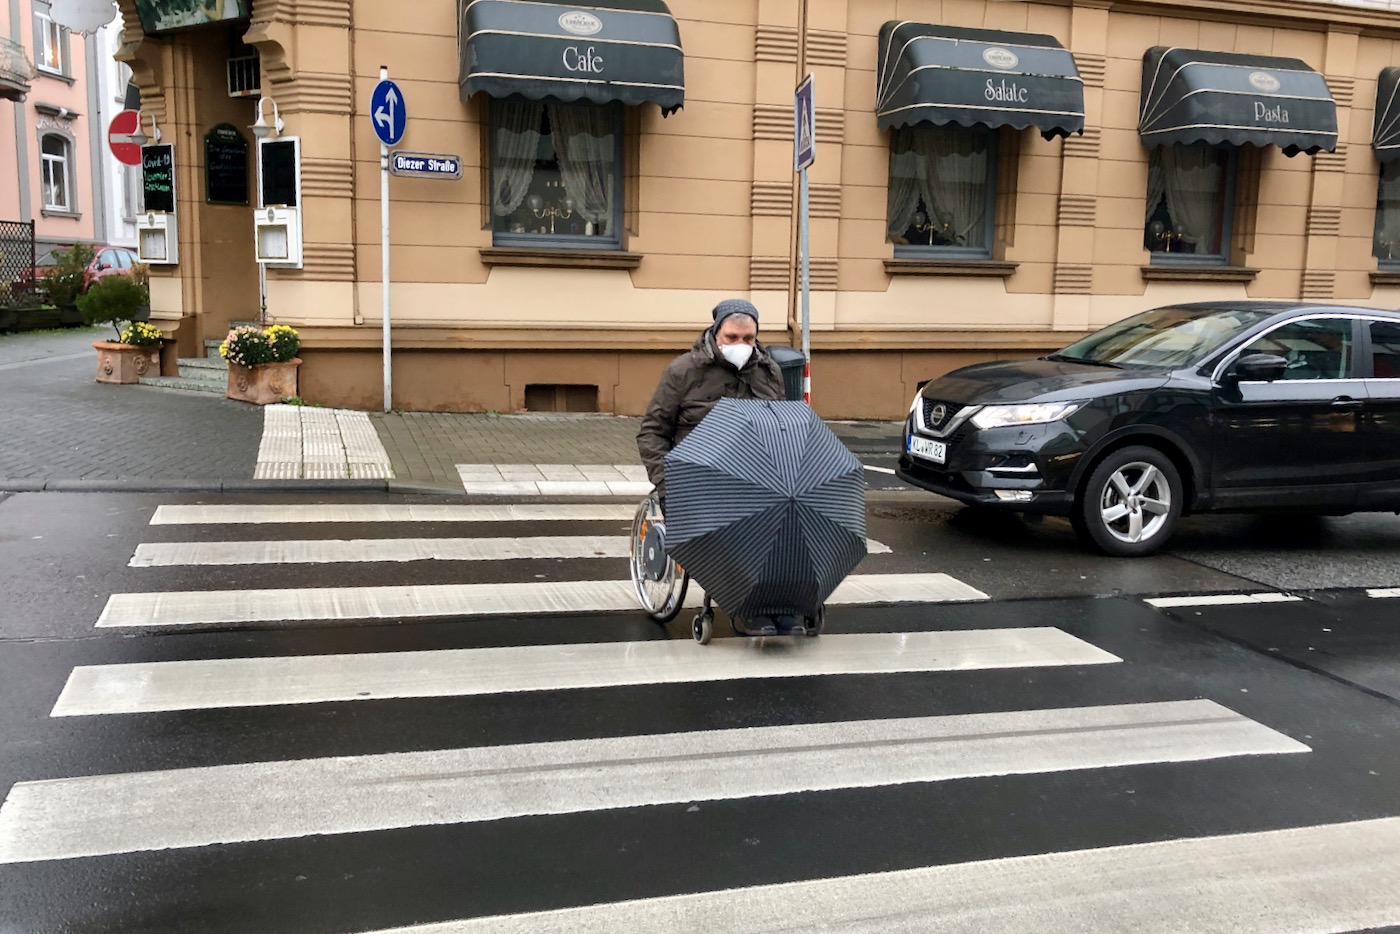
[992, 179]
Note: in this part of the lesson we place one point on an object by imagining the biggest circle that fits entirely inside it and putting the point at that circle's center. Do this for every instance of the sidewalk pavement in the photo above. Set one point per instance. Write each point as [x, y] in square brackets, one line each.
[61, 430]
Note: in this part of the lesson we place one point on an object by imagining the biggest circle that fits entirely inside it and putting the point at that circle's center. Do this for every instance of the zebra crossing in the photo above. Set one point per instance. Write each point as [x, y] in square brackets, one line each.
[899, 715]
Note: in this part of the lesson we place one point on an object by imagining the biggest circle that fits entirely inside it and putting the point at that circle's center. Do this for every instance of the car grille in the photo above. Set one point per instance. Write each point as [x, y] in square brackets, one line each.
[944, 410]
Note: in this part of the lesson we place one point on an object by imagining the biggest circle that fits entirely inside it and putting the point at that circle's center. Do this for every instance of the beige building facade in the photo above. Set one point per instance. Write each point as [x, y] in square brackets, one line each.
[584, 243]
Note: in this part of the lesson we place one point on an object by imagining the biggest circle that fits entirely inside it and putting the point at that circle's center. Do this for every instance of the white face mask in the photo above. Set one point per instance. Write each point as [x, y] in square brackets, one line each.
[737, 354]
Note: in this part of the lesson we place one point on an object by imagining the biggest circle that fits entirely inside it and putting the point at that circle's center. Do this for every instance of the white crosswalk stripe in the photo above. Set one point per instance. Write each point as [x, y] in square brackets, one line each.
[338, 769]
[207, 607]
[252, 682]
[96, 815]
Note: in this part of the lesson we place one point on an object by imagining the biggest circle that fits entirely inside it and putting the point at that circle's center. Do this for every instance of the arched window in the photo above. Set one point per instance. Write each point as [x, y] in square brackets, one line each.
[57, 154]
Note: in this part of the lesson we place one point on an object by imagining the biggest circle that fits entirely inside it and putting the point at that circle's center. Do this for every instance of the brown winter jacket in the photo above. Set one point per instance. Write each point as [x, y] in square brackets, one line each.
[690, 387]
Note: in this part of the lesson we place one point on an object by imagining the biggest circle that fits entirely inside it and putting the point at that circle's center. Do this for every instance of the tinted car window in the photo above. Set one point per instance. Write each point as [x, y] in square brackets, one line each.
[123, 259]
[1385, 349]
[1320, 348]
[107, 259]
[1166, 337]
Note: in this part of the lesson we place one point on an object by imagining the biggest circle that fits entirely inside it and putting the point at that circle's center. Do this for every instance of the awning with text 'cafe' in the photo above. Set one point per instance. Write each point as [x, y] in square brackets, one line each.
[603, 51]
[1386, 140]
[1193, 96]
[943, 74]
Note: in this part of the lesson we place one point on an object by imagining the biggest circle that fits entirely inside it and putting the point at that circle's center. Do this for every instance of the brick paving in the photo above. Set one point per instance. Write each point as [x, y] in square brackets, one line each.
[63, 429]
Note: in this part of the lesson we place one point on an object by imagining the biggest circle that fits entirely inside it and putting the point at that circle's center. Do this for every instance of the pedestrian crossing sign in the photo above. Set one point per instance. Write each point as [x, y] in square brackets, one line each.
[804, 136]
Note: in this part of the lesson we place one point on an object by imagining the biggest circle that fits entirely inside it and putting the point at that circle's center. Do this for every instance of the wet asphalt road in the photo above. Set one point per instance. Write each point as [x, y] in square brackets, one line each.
[1321, 670]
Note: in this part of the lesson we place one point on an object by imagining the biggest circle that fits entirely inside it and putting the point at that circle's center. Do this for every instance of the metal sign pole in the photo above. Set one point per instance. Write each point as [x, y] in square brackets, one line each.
[384, 252]
[806, 291]
[804, 151]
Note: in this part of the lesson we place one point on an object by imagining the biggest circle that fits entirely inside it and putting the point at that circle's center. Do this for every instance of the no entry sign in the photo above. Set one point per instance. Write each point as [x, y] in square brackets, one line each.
[119, 137]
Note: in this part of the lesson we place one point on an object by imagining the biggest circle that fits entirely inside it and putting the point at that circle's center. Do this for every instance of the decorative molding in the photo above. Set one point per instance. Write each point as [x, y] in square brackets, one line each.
[573, 259]
[1086, 145]
[1343, 89]
[775, 44]
[1331, 161]
[774, 273]
[331, 178]
[771, 199]
[314, 93]
[323, 12]
[1319, 284]
[1092, 68]
[826, 48]
[1387, 277]
[1074, 279]
[1175, 273]
[774, 121]
[1078, 210]
[328, 262]
[1324, 221]
[986, 268]
[825, 200]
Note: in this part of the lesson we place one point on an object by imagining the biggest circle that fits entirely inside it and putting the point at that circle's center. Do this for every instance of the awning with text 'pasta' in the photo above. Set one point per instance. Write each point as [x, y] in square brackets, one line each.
[606, 50]
[1193, 96]
[943, 74]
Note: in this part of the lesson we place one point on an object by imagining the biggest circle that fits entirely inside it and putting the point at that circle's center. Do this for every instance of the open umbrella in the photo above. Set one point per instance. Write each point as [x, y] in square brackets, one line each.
[765, 508]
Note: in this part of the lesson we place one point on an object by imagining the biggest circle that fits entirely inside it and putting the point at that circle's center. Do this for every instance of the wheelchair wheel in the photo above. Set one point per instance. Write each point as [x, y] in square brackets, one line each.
[660, 583]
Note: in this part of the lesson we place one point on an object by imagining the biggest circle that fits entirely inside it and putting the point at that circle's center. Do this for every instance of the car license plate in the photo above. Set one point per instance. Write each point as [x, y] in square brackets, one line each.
[929, 450]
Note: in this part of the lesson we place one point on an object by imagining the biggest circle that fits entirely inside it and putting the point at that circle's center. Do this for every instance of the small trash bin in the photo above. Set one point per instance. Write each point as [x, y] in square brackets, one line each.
[791, 362]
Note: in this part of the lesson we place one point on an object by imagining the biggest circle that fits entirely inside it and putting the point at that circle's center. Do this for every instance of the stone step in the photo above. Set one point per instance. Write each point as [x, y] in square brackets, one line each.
[203, 365]
[186, 384]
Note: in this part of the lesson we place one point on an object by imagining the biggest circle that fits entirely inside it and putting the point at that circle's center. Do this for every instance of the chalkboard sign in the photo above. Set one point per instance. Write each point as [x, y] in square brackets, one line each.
[225, 166]
[158, 177]
[279, 172]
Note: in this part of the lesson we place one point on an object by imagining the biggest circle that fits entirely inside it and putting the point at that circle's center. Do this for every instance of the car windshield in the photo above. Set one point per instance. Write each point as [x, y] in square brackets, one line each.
[1162, 337]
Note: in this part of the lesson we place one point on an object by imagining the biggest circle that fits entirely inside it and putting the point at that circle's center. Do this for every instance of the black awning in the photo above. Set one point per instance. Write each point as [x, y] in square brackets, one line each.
[606, 50]
[1387, 134]
[1191, 96]
[943, 74]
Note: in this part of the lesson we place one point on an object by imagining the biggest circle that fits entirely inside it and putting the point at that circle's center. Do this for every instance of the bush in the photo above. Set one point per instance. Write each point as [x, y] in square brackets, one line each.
[113, 299]
[251, 346]
[63, 282]
[285, 342]
[141, 334]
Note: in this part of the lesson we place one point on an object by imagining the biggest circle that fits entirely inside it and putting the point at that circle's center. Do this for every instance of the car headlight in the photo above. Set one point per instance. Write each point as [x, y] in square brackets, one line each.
[1033, 413]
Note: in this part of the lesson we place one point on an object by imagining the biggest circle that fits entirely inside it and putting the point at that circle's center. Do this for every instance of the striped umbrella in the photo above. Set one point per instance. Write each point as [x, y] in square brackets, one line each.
[765, 507]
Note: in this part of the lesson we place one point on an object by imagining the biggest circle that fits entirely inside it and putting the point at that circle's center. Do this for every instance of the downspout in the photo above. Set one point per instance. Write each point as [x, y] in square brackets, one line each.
[355, 309]
[26, 211]
[97, 122]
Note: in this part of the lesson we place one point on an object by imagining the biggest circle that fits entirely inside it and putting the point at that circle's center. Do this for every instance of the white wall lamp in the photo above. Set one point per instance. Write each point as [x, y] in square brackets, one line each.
[139, 137]
[261, 128]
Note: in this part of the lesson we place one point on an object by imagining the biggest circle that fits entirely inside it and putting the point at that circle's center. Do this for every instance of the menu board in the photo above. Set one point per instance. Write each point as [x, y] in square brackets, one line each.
[279, 172]
[225, 166]
[158, 177]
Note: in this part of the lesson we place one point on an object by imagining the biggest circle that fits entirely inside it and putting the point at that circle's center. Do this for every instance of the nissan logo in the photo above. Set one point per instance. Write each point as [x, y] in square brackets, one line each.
[937, 414]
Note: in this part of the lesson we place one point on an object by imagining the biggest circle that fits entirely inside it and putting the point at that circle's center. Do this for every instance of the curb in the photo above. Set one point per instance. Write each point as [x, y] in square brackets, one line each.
[225, 486]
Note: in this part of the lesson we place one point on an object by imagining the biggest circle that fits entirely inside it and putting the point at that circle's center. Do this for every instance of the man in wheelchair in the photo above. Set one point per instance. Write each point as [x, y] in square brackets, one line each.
[726, 361]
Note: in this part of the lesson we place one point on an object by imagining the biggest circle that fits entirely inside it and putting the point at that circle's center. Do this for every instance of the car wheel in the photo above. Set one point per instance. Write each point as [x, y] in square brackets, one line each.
[1130, 503]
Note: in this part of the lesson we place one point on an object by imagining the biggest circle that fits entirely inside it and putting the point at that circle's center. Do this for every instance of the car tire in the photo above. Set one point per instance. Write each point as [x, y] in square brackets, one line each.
[1130, 503]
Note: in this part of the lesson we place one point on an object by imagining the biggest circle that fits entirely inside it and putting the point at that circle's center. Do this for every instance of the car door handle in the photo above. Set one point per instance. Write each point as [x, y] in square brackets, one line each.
[1346, 402]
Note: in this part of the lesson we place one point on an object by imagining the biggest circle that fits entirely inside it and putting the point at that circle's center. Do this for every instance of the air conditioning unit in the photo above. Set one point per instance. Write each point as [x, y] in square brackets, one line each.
[245, 76]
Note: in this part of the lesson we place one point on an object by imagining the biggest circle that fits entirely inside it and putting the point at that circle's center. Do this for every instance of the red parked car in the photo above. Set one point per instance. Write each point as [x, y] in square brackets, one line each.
[107, 261]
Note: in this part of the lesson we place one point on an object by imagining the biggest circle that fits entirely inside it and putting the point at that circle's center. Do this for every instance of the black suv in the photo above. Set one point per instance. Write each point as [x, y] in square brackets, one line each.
[1210, 407]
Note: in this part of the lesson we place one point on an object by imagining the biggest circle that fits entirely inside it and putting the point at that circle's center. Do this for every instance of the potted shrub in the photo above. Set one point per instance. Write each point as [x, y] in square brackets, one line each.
[262, 363]
[63, 282]
[136, 351]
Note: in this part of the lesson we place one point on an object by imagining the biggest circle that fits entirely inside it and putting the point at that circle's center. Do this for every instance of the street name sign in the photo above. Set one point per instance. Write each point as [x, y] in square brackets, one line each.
[425, 164]
[387, 112]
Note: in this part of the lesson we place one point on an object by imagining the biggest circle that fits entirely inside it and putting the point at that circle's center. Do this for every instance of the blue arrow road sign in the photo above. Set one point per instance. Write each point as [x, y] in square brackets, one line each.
[387, 112]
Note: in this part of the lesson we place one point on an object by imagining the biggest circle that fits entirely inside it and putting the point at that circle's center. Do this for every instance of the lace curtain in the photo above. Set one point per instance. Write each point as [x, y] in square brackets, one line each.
[587, 151]
[1387, 244]
[947, 167]
[515, 144]
[1191, 178]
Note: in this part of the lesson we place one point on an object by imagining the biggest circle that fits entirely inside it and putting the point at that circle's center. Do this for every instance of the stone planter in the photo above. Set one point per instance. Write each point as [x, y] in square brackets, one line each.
[264, 384]
[125, 363]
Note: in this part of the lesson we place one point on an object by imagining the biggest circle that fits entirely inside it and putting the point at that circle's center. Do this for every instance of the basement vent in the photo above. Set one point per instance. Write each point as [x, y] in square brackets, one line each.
[244, 76]
[554, 398]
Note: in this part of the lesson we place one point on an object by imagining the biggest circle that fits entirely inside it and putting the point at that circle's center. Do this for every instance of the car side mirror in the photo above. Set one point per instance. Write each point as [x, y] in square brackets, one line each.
[1265, 367]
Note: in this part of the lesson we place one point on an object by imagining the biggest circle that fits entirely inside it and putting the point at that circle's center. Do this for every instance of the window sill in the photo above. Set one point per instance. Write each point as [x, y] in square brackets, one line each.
[59, 212]
[43, 72]
[569, 259]
[989, 268]
[1203, 273]
[1385, 277]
